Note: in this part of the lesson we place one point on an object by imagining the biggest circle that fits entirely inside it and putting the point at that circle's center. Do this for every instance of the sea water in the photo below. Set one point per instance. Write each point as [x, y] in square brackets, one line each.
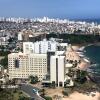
[93, 53]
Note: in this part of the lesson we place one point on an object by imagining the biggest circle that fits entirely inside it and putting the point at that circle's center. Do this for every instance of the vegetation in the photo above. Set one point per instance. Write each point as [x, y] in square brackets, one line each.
[4, 62]
[88, 86]
[53, 84]
[11, 39]
[82, 83]
[57, 97]
[9, 94]
[85, 88]
[42, 92]
[47, 98]
[81, 76]
[33, 79]
[23, 98]
[4, 53]
[75, 38]
[65, 93]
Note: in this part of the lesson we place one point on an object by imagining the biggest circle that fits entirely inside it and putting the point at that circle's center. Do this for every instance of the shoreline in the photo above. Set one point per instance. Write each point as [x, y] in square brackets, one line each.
[91, 64]
[85, 63]
[87, 44]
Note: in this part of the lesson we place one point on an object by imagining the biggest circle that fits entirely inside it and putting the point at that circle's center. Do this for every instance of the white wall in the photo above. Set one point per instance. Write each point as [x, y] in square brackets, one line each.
[61, 69]
[20, 36]
[40, 47]
[53, 69]
[28, 47]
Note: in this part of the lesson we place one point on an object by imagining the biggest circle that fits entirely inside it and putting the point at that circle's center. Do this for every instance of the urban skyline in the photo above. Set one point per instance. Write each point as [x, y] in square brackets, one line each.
[80, 9]
[49, 50]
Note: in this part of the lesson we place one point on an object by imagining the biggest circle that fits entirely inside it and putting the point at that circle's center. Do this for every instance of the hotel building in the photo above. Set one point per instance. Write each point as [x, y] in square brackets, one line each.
[22, 65]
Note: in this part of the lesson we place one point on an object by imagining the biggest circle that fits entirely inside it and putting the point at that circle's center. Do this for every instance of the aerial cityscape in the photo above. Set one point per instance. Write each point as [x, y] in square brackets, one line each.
[49, 50]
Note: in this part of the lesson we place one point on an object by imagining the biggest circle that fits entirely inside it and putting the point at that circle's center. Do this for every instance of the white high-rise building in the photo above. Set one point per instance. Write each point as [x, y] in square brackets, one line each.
[60, 66]
[39, 47]
[22, 65]
[57, 70]
[20, 38]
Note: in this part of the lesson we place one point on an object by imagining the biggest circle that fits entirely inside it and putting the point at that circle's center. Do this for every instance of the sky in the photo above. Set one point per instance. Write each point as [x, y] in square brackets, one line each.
[51, 8]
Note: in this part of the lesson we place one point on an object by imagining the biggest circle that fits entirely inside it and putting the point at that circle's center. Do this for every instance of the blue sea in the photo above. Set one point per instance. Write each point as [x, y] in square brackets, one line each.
[93, 53]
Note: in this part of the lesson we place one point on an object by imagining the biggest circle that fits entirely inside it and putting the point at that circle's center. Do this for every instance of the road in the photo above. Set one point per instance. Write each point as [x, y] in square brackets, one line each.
[28, 90]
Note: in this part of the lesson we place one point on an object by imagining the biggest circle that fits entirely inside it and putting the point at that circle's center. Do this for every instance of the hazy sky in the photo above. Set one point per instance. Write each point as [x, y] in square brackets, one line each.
[50, 8]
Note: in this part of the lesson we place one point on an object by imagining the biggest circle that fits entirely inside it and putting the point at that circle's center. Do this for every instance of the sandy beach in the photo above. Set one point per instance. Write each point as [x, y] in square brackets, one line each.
[83, 65]
[80, 96]
[74, 96]
[76, 47]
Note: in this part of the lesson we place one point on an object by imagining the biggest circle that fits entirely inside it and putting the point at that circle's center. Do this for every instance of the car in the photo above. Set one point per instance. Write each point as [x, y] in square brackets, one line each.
[36, 91]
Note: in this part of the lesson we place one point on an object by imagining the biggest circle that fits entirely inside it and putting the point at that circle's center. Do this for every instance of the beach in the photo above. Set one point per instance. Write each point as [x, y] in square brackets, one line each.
[57, 93]
[80, 96]
[84, 62]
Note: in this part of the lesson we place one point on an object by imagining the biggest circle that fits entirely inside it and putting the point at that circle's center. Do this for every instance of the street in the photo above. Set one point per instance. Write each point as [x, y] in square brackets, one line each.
[28, 89]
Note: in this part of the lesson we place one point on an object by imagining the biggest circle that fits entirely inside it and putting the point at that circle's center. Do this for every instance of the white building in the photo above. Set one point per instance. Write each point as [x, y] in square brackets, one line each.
[60, 69]
[28, 47]
[21, 65]
[57, 70]
[42, 47]
[20, 37]
[39, 47]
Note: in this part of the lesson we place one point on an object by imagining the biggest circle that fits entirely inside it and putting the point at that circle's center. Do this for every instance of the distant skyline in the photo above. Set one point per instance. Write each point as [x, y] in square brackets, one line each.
[71, 9]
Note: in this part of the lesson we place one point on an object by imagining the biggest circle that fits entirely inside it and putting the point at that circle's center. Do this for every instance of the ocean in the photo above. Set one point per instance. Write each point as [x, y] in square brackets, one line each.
[93, 54]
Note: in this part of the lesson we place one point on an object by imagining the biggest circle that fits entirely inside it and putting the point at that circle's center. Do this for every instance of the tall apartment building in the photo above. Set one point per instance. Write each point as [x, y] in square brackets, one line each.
[57, 70]
[60, 68]
[22, 65]
[42, 47]
[39, 47]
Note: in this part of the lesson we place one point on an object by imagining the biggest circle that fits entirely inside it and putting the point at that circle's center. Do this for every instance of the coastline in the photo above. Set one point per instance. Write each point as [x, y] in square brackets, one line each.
[86, 44]
[92, 63]
[85, 63]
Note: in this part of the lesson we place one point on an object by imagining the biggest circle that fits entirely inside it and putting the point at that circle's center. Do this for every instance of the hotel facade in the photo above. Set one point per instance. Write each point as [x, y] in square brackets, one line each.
[22, 65]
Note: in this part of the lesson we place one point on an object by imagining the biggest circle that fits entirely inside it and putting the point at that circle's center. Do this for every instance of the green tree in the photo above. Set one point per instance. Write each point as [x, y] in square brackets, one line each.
[4, 62]
[81, 76]
[47, 98]
[23, 98]
[33, 79]
[4, 53]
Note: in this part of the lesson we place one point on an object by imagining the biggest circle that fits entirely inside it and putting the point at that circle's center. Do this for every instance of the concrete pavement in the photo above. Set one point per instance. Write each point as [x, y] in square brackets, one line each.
[29, 90]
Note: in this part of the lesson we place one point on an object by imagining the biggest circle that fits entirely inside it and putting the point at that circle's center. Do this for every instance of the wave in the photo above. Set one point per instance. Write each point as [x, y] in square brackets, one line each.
[94, 65]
